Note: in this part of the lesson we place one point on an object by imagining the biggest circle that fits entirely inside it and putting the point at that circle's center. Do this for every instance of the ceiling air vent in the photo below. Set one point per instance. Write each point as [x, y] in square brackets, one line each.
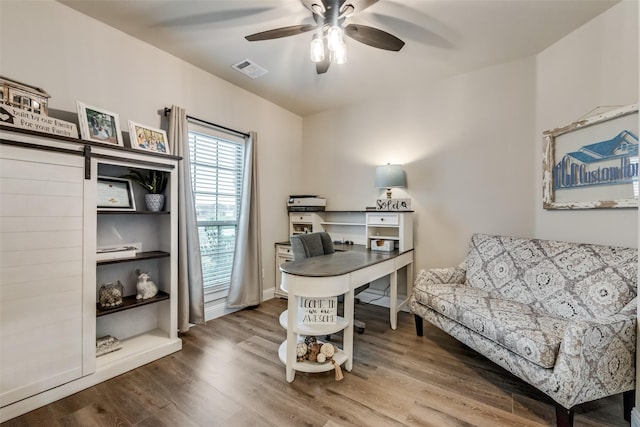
[250, 68]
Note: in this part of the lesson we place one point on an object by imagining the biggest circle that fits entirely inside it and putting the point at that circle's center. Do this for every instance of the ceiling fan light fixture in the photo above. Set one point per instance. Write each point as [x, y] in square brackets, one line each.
[317, 49]
[339, 55]
[334, 37]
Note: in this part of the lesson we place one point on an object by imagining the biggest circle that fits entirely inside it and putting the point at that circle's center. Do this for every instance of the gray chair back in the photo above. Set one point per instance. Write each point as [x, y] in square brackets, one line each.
[310, 245]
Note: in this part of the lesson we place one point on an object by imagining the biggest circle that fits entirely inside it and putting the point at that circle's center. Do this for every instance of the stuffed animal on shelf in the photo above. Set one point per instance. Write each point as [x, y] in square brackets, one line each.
[145, 287]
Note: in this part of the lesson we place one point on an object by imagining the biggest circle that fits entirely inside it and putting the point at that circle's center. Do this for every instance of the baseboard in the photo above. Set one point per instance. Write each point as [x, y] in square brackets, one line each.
[268, 294]
[218, 307]
[635, 417]
[376, 297]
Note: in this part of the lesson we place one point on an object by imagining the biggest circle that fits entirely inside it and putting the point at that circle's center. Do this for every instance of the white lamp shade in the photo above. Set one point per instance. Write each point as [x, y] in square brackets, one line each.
[390, 176]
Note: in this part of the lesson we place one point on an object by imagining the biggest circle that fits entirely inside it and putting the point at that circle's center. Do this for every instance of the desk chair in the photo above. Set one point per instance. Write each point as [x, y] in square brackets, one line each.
[316, 244]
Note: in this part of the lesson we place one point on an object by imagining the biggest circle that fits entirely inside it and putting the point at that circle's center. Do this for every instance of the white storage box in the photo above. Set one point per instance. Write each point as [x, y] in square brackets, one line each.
[382, 245]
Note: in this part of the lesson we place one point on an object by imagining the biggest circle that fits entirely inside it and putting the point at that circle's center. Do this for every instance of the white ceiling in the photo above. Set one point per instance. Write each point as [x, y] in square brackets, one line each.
[443, 38]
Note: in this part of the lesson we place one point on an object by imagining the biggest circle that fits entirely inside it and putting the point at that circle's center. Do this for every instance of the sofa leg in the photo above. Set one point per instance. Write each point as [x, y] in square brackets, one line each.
[419, 329]
[564, 416]
[628, 400]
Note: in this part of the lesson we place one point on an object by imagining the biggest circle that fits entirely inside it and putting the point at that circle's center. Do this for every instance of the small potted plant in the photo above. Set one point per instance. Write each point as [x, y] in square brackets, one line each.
[155, 182]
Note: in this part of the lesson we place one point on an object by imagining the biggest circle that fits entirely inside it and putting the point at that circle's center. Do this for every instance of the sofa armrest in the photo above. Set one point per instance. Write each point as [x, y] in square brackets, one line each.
[597, 356]
[456, 274]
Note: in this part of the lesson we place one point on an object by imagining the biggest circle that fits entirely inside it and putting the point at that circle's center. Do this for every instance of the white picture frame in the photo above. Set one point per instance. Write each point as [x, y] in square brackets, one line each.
[147, 138]
[99, 125]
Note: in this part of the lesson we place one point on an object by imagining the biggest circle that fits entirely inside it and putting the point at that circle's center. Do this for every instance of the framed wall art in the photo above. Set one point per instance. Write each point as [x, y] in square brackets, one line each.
[98, 125]
[115, 194]
[147, 138]
[592, 163]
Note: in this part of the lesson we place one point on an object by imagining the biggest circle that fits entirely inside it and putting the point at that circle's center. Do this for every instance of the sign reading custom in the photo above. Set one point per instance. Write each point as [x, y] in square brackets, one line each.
[609, 162]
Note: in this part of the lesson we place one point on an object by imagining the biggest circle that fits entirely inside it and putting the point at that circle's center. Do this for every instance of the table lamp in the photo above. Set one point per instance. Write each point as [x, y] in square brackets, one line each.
[390, 176]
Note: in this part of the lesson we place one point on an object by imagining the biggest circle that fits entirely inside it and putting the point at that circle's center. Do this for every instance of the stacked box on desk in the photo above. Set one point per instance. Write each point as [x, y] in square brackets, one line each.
[382, 245]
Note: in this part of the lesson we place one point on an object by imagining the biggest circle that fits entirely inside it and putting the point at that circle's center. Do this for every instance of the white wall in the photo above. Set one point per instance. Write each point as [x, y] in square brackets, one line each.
[472, 144]
[596, 65]
[466, 147]
[74, 57]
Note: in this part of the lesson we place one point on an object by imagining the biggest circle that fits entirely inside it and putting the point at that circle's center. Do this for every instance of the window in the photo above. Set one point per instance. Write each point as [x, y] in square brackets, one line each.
[216, 173]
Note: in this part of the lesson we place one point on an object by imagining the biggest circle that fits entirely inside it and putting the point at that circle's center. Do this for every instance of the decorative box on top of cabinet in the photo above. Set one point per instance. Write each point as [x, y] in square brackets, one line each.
[50, 229]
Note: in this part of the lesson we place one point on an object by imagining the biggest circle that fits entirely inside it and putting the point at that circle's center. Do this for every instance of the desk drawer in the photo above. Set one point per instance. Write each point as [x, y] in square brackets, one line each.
[304, 218]
[285, 250]
[383, 219]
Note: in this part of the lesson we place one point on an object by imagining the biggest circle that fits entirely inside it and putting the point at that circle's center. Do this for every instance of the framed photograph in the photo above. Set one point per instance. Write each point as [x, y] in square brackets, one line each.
[148, 138]
[98, 125]
[593, 163]
[115, 194]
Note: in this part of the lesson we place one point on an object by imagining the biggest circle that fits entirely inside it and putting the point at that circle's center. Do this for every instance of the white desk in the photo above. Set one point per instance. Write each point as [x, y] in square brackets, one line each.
[337, 274]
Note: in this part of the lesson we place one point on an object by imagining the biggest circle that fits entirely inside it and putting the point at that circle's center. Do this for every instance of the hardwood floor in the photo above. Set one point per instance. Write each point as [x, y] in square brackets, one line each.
[229, 374]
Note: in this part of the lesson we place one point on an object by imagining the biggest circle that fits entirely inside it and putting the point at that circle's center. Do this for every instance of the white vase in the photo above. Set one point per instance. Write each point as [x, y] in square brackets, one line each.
[155, 202]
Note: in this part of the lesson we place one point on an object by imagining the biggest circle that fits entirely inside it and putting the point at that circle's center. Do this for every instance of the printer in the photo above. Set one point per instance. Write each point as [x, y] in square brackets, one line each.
[306, 203]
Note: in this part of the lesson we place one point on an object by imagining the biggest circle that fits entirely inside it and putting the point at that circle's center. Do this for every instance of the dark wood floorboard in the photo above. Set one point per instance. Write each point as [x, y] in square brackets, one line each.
[228, 374]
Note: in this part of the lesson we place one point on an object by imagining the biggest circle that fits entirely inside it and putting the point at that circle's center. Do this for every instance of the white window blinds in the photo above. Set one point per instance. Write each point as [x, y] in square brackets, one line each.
[216, 173]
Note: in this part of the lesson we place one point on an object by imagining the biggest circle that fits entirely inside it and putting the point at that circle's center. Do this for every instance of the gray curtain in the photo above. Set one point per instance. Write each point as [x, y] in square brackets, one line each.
[190, 285]
[245, 288]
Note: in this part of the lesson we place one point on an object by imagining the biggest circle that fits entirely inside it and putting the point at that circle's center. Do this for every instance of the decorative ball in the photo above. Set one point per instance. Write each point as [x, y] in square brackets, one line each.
[308, 340]
[321, 358]
[301, 350]
[327, 350]
[314, 350]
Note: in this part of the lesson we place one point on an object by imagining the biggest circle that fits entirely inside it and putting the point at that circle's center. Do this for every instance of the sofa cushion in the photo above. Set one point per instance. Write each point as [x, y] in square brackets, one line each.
[513, 325]
[559, 279]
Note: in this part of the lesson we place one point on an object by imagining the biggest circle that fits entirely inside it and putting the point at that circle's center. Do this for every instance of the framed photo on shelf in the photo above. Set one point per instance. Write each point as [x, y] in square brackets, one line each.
[147, 138]
[98, 125]
[592, 163]
[115, 194]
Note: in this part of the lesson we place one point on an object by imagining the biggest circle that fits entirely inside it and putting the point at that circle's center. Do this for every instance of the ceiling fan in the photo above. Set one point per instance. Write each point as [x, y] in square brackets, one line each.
[327, 44]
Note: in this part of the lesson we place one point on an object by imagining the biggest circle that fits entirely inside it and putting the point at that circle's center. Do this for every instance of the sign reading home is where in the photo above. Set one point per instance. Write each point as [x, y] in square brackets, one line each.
[314, 311]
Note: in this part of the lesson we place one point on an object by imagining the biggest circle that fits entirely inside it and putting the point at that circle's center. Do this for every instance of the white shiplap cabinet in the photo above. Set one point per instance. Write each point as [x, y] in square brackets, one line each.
[41, 276]
[49, 276]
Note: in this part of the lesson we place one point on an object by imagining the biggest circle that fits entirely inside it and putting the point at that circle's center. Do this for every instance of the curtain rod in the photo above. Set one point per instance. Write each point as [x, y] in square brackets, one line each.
[195, 119]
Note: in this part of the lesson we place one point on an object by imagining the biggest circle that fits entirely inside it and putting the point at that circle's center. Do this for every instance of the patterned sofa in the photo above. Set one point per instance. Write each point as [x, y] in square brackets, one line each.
[560, 316]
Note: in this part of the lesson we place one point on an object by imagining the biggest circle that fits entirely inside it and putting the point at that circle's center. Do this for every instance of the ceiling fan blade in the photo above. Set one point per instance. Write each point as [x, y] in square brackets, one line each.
[373, 37]
[281, 32]
[315, 6]
[355, 6]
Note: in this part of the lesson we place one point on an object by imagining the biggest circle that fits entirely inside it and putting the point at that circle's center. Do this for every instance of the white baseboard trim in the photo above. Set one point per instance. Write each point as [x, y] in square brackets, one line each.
[376, 297]
[268, 294]
[635, 417]
[218, 307]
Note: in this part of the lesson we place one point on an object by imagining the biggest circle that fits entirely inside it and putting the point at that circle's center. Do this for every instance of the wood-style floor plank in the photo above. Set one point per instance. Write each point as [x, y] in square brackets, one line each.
[229, 374]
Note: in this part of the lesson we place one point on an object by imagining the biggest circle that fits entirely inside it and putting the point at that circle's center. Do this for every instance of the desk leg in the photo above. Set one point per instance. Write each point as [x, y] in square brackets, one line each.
[292, 339]
[393, 303]
[410, 280]
[347, 345]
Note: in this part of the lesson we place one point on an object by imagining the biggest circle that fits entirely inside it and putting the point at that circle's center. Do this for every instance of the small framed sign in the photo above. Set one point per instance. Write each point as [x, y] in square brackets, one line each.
[115, 194]
[393, 204]
[318, 311]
